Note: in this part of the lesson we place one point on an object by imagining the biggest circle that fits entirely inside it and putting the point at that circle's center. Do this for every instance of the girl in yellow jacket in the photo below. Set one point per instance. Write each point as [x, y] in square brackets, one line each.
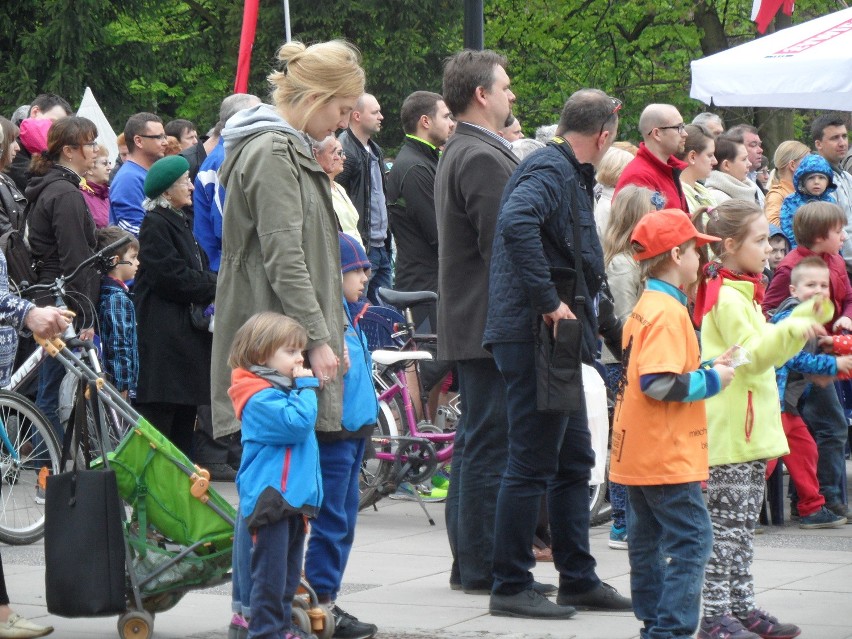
[743, 423]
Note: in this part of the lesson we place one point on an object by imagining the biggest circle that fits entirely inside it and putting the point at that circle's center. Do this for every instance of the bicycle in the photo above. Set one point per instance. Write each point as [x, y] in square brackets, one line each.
[30, 448]
[405, 449]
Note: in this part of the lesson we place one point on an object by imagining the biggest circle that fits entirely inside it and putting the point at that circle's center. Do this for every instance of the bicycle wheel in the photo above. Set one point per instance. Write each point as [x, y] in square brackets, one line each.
[28, 445]
[115, 427]
[377, 472]
[600, 508]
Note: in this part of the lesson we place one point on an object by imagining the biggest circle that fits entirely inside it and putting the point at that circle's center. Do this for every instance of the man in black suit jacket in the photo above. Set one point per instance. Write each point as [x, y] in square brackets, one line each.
[474, 168]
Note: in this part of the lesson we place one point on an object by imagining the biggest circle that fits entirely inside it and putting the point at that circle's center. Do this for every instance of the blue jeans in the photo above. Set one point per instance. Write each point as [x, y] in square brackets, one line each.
[822, 412]
[333, 531]
[241, 568]
[549, 453]
[671, 538]
[276, 567]
[476, 472]
[381, 275]
[50, 376]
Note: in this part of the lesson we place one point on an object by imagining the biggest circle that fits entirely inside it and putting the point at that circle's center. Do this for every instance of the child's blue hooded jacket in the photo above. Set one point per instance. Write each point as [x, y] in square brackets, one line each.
[811, 164]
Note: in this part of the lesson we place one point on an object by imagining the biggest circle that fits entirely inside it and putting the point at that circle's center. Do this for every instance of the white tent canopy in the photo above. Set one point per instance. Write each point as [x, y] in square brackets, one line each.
[89, 108]
[807, 66]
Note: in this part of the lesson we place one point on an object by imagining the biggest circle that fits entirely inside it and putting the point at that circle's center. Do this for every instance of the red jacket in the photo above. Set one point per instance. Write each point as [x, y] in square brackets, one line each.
[648, 171]
[839, 285]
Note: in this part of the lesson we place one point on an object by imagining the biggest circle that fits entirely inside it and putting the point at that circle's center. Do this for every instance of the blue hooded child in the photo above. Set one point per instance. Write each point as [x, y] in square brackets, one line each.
[811, 165]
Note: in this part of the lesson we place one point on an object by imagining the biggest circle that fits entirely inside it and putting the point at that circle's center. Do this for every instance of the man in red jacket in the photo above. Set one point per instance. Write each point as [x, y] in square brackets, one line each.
[655, 165]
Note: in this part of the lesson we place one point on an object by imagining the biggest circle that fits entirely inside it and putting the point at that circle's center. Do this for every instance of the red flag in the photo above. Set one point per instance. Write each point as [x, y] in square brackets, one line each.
[246, 44]
[764, 11]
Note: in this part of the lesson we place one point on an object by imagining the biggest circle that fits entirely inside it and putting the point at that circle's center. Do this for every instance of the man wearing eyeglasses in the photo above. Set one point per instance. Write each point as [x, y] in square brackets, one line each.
[537, 280]
[655, 165]
[146, 143]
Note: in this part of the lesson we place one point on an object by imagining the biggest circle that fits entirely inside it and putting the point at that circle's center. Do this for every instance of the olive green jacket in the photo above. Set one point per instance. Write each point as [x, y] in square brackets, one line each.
[280, 250]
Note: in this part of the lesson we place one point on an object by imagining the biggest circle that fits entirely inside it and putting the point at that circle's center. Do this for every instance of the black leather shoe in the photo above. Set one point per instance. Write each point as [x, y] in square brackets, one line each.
[543, 589]
[528, 604]
[602, 597]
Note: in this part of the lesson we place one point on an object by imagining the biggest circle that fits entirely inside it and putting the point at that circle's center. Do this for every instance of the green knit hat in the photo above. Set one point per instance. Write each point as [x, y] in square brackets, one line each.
[163, 173]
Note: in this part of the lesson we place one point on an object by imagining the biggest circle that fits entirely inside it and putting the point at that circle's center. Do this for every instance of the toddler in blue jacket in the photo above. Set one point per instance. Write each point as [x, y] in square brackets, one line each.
[279, 481]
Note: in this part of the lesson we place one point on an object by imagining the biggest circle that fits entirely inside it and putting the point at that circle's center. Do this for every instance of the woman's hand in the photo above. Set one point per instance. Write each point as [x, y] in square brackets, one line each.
[324, 363]
[47, 322]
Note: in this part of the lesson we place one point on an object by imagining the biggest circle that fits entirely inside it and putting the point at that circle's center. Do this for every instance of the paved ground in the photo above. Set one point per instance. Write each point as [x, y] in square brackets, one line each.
[398, 579]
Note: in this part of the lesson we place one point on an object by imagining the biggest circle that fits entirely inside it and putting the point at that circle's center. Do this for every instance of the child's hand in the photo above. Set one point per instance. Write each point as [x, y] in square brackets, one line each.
[820, 380]
[301, 371]
[843, 323]
[826, 344]
[844, 363]
[813, 331]
[726, 358]
[726, 373]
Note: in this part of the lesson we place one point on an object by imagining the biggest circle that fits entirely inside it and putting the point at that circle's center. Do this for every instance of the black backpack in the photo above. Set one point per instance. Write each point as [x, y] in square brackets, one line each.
[19, 259]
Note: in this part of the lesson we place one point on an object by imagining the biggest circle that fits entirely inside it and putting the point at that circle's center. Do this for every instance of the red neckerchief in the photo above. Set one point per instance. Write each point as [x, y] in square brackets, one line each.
[711, 284]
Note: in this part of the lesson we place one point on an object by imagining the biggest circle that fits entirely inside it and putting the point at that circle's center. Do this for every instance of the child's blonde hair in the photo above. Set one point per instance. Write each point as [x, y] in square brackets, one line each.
[631, 203]
[810, 262]
[731, 219]
[263, 334]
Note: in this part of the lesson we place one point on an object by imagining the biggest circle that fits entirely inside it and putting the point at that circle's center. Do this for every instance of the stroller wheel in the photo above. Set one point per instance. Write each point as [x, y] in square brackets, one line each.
[136, 624]
[327, 630]
[301, 619]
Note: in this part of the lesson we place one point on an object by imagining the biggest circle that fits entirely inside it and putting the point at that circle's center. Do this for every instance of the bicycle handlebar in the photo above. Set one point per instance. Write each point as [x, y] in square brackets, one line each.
[100, 256]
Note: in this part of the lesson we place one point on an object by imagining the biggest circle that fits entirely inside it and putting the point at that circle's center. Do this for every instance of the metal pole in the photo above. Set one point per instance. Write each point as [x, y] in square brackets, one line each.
[473, 25]
[287, 36]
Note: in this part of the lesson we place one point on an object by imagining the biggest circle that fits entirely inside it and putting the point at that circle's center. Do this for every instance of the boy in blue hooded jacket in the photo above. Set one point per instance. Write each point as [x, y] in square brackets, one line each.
[279, 481]
[813, 182]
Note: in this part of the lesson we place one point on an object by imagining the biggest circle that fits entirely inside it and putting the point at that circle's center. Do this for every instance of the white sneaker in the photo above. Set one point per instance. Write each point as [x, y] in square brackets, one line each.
[16, 627]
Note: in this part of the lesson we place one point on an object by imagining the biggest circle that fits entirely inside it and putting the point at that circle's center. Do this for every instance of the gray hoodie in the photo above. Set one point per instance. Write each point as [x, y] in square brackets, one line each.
[248, 122]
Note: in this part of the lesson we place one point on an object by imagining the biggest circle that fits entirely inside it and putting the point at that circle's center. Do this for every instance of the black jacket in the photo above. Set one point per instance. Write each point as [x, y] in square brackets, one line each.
[471, 175]
[174, 357]
[411, 213]
[355, 178]
[546, 195]
[61, 236]
[19, 169]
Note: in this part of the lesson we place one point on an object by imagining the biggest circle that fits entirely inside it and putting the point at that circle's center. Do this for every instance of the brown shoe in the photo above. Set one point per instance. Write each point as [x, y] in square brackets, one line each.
[543, 554]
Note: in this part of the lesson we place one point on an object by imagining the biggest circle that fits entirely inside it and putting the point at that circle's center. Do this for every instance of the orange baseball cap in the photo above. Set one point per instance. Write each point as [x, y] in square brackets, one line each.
[661, 231]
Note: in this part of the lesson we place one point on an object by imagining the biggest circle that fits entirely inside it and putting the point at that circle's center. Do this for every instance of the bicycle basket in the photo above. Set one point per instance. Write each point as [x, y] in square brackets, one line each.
[378, 324]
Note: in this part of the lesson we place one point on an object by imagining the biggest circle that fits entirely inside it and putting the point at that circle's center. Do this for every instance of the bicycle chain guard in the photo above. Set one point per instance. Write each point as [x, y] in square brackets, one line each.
[415, 460]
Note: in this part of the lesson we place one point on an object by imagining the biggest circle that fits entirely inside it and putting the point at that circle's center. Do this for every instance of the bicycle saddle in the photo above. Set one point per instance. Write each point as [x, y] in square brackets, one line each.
[386, 358]
[406, 300]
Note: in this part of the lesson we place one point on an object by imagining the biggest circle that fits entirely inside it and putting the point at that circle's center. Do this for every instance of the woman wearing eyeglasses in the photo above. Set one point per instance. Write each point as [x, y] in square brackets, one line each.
[173, 276]
[330, 156]
[96, 188]
[62, 234]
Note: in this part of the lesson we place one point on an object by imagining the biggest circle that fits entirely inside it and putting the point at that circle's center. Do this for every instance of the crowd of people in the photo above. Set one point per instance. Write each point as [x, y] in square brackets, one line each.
[231, 320]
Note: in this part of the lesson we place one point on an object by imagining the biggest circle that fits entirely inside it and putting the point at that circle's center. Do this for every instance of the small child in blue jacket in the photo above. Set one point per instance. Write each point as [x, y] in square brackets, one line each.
[814, 182]
[279, 481]
[342, 451]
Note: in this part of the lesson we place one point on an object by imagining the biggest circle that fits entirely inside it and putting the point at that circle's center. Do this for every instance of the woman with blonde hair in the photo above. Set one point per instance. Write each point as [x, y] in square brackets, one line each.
[787, 157]
[625, 286]
[609, 170]
[280, 253]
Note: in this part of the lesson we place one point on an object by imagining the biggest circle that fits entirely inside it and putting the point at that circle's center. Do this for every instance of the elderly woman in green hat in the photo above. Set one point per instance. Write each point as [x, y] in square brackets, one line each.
[173, 277]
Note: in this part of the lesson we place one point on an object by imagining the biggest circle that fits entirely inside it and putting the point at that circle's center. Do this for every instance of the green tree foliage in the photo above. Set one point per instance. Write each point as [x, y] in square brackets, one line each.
[178, 58]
